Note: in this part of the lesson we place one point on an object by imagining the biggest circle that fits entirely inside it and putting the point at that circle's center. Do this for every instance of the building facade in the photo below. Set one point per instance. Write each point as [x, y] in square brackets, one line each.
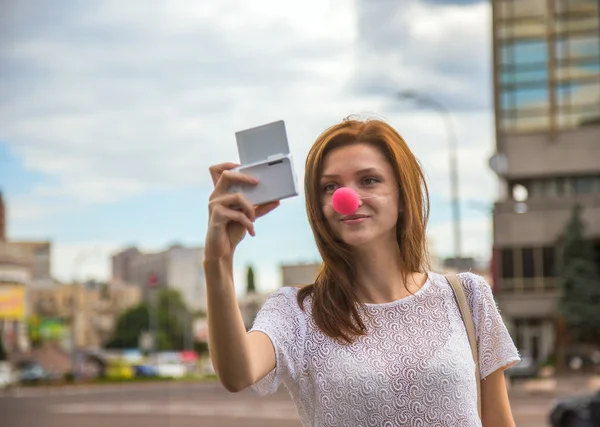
[299, 274]
[546, 57]
[177, 268]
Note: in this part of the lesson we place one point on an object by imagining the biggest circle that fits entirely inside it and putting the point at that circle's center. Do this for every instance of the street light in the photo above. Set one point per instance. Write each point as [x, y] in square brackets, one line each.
[428, 101]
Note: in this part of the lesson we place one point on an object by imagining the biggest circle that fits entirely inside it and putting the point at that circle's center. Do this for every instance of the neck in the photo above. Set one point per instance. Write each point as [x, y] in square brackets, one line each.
[380, 276]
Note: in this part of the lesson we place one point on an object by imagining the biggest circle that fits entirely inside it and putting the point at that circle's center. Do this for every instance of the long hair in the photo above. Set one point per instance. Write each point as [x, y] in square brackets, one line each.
[334, 297]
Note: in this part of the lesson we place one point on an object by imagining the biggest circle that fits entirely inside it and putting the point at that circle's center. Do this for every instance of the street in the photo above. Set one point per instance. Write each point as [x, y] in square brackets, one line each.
[180, 405]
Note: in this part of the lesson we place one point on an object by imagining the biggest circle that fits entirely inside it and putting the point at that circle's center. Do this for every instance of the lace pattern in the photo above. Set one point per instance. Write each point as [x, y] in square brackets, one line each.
[414, 367]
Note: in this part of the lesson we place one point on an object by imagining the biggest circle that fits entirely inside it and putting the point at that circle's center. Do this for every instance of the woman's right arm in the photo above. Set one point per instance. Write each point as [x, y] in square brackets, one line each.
[239, 359]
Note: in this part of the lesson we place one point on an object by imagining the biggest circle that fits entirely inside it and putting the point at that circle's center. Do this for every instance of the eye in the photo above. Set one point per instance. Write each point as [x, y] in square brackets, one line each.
[371, 180]
[327, 188]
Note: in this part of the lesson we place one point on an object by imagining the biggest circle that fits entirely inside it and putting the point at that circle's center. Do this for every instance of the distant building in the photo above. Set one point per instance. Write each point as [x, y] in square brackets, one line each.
[23, 266]
[546, 57]
[177, 267]
[91, 310]
[299, 274]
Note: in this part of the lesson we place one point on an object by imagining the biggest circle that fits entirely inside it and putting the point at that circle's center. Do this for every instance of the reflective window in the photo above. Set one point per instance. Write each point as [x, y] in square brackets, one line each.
[583, 47]
[527, 52]
[507, 100]
[578, 70]
[530, 29]
[576, 24]
[531, 97]
[528, 8]
[578, 94]
[582, 6]
[525, 77]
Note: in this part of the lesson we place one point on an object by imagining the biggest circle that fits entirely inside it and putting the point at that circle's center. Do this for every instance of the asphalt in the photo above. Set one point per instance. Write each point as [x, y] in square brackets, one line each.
[195, 404]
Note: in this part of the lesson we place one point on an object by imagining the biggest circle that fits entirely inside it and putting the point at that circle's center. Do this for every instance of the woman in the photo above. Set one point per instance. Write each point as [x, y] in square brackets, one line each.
[377, 340]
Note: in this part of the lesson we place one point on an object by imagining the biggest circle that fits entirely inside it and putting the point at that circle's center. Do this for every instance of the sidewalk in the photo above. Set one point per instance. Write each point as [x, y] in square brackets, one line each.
[556, 386]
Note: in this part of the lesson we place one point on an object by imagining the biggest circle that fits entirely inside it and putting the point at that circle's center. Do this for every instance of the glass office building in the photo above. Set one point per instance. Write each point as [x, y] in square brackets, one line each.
[546, 57]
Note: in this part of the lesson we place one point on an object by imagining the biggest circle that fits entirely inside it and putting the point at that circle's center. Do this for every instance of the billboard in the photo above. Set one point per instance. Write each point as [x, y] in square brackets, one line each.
[12, 301]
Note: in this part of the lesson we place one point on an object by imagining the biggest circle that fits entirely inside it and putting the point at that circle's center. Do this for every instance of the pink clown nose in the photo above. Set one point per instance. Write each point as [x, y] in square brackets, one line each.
[345, 200]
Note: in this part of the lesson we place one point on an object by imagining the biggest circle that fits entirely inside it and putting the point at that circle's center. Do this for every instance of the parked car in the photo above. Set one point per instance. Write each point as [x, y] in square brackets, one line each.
[580, 411]
[145, 371]
[8, 376]
[171, 369]
[31, 372]
[169, 365]
[119, 369]
[526, 368]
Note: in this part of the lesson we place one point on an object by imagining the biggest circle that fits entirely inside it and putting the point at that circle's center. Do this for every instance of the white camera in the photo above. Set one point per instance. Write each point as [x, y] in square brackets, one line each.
[264, 154]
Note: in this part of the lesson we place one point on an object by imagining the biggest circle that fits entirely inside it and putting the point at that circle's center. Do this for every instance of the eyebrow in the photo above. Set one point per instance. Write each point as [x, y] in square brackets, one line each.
[358, 172]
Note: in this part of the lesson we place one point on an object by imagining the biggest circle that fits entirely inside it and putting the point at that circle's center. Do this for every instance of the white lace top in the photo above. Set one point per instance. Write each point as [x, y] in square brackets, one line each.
[414, 368]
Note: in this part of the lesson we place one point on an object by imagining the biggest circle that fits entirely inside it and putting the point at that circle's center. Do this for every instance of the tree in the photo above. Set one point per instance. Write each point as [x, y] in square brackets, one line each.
[250, 286]
[129, 327]
[580, 283]
[172, 321]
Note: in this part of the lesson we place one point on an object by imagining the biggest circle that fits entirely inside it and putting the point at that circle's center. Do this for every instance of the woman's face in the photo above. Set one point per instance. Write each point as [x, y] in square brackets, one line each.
[365, 169]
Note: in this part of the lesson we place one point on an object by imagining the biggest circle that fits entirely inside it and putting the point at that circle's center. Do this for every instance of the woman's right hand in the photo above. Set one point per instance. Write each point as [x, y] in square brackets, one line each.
[228, 226]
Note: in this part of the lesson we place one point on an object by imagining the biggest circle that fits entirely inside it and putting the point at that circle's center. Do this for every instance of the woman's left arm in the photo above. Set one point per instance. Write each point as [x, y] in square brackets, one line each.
[495, 406]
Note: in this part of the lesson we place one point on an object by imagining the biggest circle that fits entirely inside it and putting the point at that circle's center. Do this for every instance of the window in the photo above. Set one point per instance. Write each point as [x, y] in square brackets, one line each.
[507, 263]
[584, 185]
[529, 41]
[528, 262]
[548, 261]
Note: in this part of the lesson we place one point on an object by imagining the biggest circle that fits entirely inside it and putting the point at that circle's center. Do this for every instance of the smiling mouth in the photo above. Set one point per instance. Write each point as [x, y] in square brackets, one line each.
[353, 217]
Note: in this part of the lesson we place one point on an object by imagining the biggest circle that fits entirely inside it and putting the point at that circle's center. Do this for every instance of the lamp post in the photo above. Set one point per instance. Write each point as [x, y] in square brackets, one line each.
[428, 101]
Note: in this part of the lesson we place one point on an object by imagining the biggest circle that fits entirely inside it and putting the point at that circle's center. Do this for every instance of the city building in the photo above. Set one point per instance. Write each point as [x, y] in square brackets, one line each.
[299, 274]
[80, 314]
[546, 58]
[23, 265]
[15, 277]
[177, 267]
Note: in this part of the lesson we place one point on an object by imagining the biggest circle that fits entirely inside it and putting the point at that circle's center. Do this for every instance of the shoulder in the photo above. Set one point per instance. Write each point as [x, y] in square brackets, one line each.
[474, 283]
[284, 301]
[476, 287]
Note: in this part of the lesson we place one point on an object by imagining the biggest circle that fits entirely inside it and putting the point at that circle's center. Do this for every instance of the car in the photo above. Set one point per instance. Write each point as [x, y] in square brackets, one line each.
[31, 372]
[145, 371]
[578, 411]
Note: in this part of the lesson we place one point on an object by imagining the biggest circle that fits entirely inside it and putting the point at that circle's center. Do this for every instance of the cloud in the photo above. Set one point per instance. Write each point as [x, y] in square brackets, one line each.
[114, 100]
[476, 235]
[83, 260]
[412, 45]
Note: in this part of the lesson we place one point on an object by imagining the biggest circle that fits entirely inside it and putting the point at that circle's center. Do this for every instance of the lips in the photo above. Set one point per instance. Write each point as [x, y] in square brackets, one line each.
[355, 216]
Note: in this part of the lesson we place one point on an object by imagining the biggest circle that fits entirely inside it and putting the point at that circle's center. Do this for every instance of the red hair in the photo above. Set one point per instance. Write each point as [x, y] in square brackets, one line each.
[334, 298]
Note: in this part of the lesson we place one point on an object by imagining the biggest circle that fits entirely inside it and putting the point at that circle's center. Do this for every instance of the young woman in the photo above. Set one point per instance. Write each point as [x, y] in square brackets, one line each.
[377, 340]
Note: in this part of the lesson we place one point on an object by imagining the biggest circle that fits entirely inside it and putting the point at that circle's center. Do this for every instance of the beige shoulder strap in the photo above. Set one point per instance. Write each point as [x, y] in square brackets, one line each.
[465, 311]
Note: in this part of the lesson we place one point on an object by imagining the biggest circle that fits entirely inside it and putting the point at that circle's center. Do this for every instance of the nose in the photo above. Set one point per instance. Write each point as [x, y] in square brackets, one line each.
[345, 201]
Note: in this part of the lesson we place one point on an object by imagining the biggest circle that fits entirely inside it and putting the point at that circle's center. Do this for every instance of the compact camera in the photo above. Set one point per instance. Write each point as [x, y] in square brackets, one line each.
[265, 154]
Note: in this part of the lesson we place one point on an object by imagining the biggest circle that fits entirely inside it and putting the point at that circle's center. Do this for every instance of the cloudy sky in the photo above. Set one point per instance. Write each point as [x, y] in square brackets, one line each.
[111, 113]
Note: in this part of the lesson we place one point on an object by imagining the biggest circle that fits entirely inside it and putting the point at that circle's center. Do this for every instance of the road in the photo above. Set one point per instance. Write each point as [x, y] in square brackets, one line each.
[179, 405]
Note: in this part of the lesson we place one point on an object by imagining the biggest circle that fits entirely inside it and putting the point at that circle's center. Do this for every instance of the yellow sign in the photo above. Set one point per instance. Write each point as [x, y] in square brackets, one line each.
[12, 302]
